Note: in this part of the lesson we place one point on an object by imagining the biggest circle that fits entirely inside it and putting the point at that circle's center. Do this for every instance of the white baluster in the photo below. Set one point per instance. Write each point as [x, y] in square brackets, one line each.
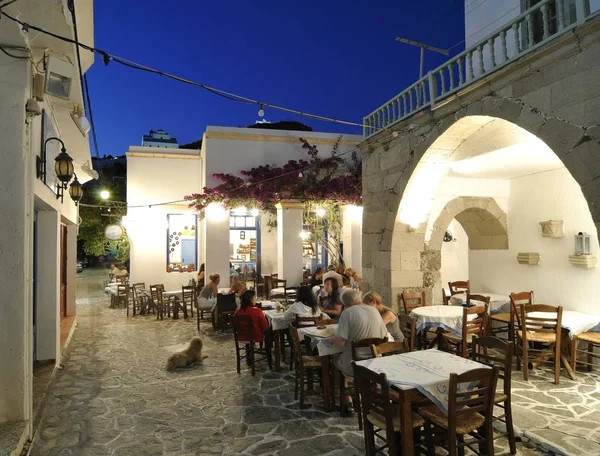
[492, 51]
[530, 37]
[461, 73]
[545, 20]
[443, 80]
[470, 65]
[410, 101]
[517, 39]
[451, 74]
[480, 55]
[503, 45]
[561, 14]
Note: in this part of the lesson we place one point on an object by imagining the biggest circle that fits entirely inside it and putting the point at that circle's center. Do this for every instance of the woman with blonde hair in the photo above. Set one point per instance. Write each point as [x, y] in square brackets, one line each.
[208, 295]
[355, 279]
[389, 317]
[237, 286]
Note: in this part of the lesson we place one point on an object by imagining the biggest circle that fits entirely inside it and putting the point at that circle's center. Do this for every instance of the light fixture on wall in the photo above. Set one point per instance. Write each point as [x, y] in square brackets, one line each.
[320, 212]
[583, 244]
[63, 168]
[76, 190]
[448, 237]
[78, 116]
[59, 77]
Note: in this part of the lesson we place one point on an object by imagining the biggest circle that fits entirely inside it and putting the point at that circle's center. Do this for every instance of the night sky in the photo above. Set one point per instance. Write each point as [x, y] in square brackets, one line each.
[336, 58]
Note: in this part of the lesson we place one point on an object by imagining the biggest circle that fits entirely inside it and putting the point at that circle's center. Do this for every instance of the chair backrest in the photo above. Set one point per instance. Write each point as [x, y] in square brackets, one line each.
[472, 325]
[411, 301]
[365, 343]
[139, 289]
[242, 328]
[122, 290]
[298, 350]
[374, 392]
[188, 293]
[478, 299]
[226, 302]
[275, 276]
[388, 348]
[305, 321]
[329, 321]
[549, 323]
[478, 397]
[523, 298]
[268, 286]
[495, 352]
[408, 326]
[154, 291]
[444, 297]
[459, 286]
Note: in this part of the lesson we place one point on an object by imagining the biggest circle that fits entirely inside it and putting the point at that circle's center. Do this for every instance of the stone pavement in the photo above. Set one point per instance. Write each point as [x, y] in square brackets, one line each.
[113, 397]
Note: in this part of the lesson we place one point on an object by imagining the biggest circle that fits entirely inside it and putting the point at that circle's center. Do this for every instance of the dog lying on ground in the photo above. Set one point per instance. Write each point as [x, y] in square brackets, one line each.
[188, 356]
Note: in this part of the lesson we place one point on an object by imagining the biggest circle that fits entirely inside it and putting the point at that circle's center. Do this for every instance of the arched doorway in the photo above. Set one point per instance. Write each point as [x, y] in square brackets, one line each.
[418, 191]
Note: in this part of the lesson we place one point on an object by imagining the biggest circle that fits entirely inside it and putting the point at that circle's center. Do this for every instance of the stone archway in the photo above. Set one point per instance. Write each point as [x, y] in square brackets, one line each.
[393, 256]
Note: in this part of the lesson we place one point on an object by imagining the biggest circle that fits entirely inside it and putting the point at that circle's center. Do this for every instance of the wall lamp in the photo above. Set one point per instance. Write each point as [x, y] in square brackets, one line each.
[63, 167]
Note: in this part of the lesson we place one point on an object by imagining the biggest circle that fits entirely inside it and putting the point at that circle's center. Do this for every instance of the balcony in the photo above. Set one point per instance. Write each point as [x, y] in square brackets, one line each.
[534, 28]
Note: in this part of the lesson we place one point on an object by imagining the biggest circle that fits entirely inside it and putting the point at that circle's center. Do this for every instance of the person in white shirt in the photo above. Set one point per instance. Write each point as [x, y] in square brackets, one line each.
[333, 274]
[305, 306]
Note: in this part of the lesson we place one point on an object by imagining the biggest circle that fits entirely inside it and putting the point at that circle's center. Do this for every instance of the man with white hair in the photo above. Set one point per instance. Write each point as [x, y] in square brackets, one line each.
[358, 321]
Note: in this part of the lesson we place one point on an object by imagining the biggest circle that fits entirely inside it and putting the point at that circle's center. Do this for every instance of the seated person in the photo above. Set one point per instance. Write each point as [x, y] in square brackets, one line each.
[232, 270]
[208, 296]
[331, 303]
[317, 278]
[358, 321]
[259, 322]
[389, 317]
[237, 286]
[305, 306]
[331, 272]
[201, 276]
[355, 279]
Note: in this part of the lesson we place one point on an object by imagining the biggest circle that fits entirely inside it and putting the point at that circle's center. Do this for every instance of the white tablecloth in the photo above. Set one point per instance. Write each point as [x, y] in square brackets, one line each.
[446, 317]
[426, 370]
[275, 318]
[574, 322]
[111, 290]
[498, 303]
[322, 339]
[172, 293]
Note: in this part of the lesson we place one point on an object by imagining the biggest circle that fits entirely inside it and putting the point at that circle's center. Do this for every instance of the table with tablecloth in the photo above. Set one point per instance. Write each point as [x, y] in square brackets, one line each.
[498, 303]
[445, 317]
[417, 374]
[277, 324]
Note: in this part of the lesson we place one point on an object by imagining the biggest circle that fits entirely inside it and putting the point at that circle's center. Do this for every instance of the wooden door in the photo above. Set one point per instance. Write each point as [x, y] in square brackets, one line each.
[63, 271]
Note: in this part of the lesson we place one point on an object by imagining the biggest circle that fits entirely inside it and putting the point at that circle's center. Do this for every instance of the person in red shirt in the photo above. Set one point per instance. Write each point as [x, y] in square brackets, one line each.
[259, 322]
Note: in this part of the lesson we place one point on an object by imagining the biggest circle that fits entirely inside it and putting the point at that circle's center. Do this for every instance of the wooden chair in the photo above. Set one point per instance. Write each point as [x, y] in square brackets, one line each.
[306, 321]
[280, 288]
[329, 321]
[140, 300]
[356, 356]
[245, 340]
[122, 280]
[123, 296]
[496, 352]
[379, 412]
[154, 295]
[459, 286]
[188, 298]
[306, 367]
[408, 326]
[543, 330]
[517, 300]
[226, 306]
[267, 286]
[444, 298]
[411, 301]
[473, 324]
[388, 348]
[468, 410]
[592, 339]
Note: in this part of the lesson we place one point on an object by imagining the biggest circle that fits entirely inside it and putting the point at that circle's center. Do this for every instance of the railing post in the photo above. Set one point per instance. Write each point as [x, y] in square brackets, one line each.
[432, 88]
[582, 10]
[561, 14]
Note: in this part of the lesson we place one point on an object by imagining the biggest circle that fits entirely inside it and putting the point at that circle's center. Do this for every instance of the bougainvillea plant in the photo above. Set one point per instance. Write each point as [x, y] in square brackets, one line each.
[335, 178]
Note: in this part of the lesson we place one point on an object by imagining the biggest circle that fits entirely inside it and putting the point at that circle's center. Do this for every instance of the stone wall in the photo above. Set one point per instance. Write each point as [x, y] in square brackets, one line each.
[552, 93]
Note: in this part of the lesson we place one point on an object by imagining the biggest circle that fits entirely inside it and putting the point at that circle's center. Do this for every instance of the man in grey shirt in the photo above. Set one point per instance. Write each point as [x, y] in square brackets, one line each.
[358, 321]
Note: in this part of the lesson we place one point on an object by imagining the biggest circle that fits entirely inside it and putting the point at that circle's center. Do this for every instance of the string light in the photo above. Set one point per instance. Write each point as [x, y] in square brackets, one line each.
[261, 110]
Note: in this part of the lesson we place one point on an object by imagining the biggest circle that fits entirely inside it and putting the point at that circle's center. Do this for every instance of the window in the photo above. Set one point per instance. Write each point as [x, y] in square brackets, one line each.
[182, 242]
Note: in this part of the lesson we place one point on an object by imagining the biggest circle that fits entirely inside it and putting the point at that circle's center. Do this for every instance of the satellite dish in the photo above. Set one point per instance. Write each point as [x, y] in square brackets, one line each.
[114, 232]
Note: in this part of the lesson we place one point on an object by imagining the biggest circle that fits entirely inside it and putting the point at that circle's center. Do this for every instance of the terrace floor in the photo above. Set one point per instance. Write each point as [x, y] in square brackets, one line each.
[114, 397]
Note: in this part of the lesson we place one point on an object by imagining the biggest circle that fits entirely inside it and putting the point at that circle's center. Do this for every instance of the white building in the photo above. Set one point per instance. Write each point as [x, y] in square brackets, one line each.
[164, 175]
[159, 138]
[38, 231]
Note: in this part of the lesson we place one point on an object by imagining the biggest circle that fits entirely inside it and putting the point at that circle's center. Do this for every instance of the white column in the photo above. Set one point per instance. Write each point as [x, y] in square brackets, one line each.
[268, 247]
[16, 254]
[289, 244]
[48, 286]
[71, 268]
[216, 243]
[352, 236]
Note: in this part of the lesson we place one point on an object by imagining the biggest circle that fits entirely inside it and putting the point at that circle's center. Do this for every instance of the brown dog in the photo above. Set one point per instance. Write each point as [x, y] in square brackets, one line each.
[188, 356]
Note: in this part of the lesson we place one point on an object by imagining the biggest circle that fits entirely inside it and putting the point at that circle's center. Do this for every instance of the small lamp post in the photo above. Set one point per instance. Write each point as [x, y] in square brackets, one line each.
[582, 244]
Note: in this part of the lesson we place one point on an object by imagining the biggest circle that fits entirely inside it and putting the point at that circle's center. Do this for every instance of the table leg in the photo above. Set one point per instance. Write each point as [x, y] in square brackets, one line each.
[326, 380]
[277, 341]
[407, 424]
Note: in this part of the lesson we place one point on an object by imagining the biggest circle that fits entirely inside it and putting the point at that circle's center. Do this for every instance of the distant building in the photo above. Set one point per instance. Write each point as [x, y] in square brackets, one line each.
[159, 138]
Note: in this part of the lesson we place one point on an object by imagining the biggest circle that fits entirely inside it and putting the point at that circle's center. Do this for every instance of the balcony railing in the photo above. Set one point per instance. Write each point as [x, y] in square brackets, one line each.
[533, 28]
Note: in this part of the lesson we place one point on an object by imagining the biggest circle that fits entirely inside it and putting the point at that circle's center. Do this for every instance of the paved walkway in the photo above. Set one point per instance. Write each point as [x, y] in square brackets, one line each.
[114, 397]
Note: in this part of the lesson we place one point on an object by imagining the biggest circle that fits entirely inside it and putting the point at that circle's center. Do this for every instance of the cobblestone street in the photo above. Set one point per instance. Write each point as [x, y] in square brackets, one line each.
[114, 397]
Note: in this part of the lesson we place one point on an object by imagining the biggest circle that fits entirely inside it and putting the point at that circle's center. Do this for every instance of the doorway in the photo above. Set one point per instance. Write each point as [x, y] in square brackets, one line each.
[63, 270]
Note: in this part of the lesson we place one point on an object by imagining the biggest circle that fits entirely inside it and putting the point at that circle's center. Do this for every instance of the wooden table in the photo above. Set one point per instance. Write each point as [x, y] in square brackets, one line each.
[417, 376]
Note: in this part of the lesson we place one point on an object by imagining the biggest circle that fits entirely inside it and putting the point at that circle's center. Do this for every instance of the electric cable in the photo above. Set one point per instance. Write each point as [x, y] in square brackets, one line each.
[19, 57]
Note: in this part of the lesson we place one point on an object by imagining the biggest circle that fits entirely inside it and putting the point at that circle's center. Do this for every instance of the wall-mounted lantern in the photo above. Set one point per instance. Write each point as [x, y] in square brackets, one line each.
[76, 190]
[582, 244]
[63, 167]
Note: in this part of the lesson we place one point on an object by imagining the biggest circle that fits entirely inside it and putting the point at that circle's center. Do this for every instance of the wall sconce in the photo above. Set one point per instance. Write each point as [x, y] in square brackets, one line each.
[63, 167]
[582, 244]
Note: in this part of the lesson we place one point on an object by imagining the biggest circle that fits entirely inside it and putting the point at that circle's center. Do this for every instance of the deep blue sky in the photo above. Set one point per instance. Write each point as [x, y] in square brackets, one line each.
[336, 58]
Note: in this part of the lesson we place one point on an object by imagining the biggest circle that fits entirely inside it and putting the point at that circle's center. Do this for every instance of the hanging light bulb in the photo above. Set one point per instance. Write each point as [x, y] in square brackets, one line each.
[261, 110]
[300, 174]
[254, 212]
[320, 212]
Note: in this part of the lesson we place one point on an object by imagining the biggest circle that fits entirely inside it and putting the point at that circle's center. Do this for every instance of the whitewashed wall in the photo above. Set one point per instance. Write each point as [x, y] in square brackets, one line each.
[551, 195]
